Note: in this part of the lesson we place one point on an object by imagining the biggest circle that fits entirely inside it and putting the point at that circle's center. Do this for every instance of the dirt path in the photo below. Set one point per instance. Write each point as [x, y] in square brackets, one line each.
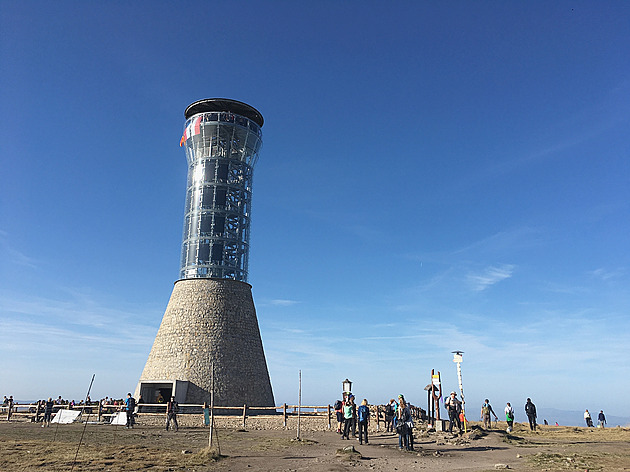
[28, 447]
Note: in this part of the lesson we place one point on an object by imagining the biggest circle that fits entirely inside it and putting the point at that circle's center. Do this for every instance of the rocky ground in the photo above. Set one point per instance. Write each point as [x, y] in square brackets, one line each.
[265, 445]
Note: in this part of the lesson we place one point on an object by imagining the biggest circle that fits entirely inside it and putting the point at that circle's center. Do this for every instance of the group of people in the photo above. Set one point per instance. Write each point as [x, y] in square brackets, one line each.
[398, 418]
[456, 417]
[172, 408]
[8, 404]
[601, 419]
[349, 416]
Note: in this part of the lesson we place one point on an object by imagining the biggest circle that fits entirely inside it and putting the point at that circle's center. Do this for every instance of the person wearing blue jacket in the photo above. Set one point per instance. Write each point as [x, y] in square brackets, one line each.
[363, 414]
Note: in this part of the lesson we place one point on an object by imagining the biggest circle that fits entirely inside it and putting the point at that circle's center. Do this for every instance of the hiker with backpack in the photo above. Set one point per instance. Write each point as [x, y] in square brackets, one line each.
[338, 407]
[363, 414]
[130, 406]
[390, 412]
[509, 417]
[454, 408]
[486, 410]
[530, 410]
[404, 425]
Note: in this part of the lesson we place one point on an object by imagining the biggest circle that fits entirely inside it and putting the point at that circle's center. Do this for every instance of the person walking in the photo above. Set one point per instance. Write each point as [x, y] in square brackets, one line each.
[363, 415]
[453, 406]
[486, 410]
[171, 413]
[390, 410]
[338, 407]
[354, 416]
[9, 407]
[130, 406]
[347, 419]
[509, 417]
[530, 410]
[48, 409]
[601, 419]
[206, 414]
[404, 425]
[588, 419]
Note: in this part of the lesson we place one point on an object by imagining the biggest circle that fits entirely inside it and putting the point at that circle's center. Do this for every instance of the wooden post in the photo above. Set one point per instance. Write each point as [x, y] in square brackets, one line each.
[299, 404]
[284, 415]
[329, 425]
[39, 409]
[378, 417]
[244, 414]
[211, 404]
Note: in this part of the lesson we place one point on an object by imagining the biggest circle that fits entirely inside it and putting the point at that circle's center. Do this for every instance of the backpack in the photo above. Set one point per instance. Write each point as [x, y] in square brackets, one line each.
[389, 410]
[363, 413]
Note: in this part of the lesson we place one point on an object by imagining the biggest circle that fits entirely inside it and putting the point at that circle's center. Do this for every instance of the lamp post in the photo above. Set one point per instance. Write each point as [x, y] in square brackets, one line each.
[458, 359]
[346, 385]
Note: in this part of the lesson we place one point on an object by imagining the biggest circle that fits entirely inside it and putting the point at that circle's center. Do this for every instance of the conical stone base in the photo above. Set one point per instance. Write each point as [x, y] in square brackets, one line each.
[209, 321]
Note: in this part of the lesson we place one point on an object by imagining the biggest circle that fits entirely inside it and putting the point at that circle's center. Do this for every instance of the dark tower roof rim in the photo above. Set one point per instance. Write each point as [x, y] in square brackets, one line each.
[224, 104]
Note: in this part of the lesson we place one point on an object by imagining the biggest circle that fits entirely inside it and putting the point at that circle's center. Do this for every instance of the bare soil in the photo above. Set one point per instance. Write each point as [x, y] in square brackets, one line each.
[26, 446]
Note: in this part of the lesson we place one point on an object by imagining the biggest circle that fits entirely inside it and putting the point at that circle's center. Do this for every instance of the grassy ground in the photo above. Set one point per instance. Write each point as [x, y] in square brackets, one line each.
[26, 446]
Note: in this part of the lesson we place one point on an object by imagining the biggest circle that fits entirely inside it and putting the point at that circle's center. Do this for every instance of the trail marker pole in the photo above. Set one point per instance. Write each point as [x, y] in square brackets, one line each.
[458, 359]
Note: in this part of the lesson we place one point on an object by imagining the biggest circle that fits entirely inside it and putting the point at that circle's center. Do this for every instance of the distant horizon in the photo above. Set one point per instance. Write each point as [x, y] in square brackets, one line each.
[434, 176]
[571, 418]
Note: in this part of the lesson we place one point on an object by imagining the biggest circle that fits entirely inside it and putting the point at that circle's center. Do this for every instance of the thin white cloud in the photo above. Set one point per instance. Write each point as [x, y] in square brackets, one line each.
[605, 274]
[12, 255]
[282, 302]
[490, 276]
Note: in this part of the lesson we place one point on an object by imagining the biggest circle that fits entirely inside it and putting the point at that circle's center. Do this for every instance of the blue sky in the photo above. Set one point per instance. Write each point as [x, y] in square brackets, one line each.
[434, 176]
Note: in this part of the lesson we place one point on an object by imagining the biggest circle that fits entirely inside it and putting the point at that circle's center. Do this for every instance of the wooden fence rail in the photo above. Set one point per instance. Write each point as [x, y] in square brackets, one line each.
[35, 411]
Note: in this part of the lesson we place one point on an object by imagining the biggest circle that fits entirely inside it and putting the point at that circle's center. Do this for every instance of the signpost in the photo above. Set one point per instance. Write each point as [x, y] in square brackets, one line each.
[458, 359]
[436, 394]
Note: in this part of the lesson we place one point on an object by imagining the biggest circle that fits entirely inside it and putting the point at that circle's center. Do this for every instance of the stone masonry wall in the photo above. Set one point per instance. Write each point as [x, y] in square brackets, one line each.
[212, 320]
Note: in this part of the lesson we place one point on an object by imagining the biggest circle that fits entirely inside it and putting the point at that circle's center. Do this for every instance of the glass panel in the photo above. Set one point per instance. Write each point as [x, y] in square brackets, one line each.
[217, 253]
[220, 196]
[219, 225]
[206, 224]
[204, 251]
[222, 171]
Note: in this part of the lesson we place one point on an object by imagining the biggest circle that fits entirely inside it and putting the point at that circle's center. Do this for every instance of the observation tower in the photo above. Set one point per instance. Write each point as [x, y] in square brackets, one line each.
[210, 320]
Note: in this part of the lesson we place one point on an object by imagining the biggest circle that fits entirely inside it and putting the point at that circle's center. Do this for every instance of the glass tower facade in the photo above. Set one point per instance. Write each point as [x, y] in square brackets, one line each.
[222, 139]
